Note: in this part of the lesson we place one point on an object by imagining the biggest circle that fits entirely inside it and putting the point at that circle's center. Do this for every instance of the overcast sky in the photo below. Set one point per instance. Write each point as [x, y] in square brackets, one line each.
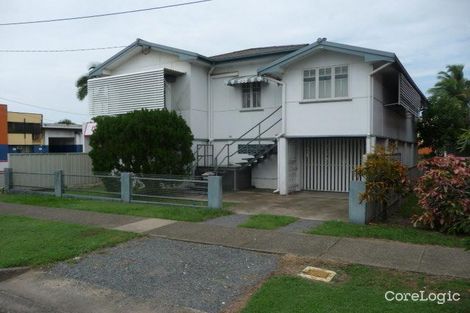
[426, 35]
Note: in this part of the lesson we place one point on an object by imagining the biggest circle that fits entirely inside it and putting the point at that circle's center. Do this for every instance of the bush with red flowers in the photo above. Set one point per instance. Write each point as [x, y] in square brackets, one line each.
[444, 194]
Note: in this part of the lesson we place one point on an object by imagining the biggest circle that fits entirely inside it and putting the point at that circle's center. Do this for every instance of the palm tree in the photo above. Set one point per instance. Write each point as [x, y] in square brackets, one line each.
[82, 87]
[452, 83]
[82, 84]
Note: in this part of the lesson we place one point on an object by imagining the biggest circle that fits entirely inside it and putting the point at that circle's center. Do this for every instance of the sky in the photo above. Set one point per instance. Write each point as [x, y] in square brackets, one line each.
[426, 36]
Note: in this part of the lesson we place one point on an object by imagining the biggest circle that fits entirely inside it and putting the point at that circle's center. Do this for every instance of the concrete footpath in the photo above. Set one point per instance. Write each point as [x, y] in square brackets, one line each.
[427, 259]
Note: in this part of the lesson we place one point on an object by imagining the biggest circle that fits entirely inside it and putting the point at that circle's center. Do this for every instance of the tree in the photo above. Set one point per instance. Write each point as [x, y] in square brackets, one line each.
[65, 121]
[82, 84]
[156, 142]
[452, 83]
[447, 115]
[82, 87]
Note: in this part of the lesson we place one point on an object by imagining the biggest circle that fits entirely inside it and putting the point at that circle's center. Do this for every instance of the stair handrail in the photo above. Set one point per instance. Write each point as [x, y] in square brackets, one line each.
[259, 123]
[227, 145]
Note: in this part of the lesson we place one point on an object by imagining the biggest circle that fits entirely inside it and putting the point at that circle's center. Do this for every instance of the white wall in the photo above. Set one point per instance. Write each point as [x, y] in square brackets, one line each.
[264, 175]
[341, 118]
[229, 119]
[199, 100]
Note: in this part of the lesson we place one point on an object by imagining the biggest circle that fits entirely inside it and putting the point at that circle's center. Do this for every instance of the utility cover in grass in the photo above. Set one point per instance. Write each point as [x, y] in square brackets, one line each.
[268, 221]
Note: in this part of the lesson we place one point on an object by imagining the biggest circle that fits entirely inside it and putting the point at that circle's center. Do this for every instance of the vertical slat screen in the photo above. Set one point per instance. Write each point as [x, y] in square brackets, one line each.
[329, 163]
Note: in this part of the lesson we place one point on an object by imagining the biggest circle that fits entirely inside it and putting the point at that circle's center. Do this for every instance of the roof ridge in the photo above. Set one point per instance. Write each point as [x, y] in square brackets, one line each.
[259, 48]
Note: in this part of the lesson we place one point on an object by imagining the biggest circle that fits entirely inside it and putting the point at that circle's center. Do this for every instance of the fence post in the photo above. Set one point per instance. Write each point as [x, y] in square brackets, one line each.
[126, 187]
[58, 183]
[214, 192]
[8, 179]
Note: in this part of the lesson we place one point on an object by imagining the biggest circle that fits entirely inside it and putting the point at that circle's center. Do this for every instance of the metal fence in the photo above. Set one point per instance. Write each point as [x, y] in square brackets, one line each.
[128, 187]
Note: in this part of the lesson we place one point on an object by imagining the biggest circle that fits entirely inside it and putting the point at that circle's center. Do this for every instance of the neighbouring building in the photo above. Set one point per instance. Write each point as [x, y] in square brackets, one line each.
[62, 137]
[22, 132]
[25, 133]
[288, 118]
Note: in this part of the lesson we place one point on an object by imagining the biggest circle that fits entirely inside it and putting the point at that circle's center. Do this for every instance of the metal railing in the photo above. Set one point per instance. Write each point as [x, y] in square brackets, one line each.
[258, 138]
[128, 187]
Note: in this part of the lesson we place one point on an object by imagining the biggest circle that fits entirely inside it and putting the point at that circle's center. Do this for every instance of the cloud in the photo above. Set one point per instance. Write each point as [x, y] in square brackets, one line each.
[426, 35]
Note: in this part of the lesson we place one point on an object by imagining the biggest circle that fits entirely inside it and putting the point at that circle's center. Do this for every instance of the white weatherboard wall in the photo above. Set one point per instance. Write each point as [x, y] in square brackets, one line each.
[123, 93]
[230, 121]
[333, 118]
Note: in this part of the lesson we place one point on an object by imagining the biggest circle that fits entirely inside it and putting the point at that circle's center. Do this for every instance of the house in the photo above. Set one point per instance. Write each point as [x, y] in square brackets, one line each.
[287, 118]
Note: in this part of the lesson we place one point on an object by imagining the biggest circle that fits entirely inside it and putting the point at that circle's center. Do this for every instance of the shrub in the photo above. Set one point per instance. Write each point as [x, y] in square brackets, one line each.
[444, 194]
[156, 141]
[385, 178]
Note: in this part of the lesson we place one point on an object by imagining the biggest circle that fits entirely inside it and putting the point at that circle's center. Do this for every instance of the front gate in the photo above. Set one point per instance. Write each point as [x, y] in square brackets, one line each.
[329, 163]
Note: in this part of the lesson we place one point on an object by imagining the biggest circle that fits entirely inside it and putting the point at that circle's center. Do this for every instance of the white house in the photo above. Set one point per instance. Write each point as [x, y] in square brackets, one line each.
[288, 118]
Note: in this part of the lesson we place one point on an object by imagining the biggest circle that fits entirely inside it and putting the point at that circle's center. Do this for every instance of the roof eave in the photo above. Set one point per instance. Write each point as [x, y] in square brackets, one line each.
[368, 54]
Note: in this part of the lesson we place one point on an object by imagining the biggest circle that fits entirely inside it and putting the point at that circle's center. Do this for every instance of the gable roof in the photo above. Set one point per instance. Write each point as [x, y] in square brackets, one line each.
[139, 43]
[369, 55]
[255, 52]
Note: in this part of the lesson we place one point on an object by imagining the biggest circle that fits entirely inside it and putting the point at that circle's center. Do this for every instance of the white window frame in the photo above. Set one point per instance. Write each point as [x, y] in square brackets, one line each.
[251, 92]
[317, 79]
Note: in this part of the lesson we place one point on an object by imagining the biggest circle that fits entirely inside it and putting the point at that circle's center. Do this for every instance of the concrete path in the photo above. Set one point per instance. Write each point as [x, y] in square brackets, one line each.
[427, 259]
[389, 254]
[105, 220]
[299, 226]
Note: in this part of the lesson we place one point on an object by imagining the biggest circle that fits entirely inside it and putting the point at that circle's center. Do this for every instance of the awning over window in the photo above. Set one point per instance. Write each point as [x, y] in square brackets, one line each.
[247, 80]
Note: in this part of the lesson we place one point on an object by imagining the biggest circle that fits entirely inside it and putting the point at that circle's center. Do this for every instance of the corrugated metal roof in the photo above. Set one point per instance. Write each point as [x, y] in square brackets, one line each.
[255, 52]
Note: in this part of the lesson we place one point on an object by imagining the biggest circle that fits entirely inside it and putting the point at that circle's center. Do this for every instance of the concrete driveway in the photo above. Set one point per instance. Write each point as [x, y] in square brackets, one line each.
[144, 275]
[321, 206]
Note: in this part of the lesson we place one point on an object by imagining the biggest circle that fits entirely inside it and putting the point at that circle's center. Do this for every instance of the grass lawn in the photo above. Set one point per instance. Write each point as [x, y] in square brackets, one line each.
[391, 232]
[267, 221]
[28, 242]
[357, 289]
[178, 213]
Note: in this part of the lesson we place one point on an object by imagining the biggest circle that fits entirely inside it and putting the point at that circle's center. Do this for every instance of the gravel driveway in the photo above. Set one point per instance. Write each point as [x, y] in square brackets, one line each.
[202, 277]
